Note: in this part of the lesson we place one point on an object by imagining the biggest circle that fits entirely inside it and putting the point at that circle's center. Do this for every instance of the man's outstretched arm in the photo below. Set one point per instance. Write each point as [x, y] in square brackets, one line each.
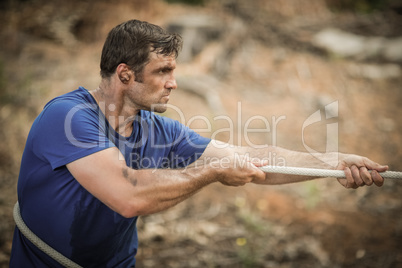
[355, 167]
[139, 192]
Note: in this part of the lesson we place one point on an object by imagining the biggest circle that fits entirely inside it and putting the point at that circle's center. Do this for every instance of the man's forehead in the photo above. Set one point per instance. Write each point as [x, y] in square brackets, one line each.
[157, 59]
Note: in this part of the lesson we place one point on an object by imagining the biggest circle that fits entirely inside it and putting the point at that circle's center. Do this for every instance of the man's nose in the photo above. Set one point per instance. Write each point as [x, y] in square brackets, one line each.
[172, 84]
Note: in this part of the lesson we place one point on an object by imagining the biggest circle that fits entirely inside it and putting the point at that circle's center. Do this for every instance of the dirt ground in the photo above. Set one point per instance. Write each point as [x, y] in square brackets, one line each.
[49, 49]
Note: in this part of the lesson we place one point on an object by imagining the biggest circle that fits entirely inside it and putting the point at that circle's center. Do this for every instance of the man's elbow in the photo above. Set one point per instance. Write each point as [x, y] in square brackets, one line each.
[131, 209]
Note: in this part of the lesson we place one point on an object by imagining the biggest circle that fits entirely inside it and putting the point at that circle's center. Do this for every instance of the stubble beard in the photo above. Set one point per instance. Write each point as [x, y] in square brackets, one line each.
[159, 108]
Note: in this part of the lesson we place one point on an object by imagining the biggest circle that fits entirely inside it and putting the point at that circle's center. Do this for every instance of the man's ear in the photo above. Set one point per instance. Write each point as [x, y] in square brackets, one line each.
[124, 73]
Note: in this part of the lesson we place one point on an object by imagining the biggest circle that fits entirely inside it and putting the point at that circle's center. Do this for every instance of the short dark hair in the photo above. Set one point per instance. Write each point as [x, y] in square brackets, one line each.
[131, 43]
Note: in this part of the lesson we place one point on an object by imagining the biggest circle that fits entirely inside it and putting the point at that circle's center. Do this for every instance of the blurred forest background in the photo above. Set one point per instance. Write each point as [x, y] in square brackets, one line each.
[259, 58]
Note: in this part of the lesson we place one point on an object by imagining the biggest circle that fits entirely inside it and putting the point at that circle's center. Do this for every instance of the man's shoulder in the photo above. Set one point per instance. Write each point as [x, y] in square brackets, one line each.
[69, 103]
[75, 97]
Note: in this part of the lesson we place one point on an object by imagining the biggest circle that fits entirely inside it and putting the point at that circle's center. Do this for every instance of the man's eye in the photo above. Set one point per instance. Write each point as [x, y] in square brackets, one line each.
[165, 71]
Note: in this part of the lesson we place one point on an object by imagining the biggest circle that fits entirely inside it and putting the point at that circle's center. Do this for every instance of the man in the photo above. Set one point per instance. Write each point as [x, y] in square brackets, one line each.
[96, 160]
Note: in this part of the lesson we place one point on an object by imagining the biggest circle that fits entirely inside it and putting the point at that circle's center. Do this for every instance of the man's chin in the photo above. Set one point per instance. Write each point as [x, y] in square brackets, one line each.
[159, 108]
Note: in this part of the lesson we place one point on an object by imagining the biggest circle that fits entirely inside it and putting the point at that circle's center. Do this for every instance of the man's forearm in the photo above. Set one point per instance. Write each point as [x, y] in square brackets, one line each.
[159, 189]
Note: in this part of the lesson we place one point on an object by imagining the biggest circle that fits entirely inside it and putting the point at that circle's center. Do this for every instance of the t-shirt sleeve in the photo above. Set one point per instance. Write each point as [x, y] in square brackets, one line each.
[66, 131]
[188, 145]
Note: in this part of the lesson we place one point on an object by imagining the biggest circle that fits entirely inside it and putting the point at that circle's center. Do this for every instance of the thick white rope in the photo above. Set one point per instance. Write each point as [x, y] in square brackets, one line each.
[39, 243]
[314, 172]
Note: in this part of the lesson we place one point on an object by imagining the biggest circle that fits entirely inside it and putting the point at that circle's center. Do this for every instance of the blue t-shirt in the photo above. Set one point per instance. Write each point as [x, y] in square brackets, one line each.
[63, 213]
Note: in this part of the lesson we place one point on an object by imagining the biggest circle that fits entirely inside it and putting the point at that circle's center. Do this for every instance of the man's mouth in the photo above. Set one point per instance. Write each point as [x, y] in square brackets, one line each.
[166, 97]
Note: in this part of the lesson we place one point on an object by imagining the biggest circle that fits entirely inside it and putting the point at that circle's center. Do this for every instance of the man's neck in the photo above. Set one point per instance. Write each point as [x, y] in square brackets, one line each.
[119, 114]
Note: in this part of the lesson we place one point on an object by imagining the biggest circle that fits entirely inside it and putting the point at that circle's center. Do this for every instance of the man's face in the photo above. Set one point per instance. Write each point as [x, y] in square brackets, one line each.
[158, 80]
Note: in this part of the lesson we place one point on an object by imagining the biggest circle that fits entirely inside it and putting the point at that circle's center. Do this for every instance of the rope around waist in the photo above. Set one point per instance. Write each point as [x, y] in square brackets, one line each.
[39, 243]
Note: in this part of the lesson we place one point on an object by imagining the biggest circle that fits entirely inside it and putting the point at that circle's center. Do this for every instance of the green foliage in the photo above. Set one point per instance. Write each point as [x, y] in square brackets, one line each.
[247, 256]
[312, 195]
[250, 248]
